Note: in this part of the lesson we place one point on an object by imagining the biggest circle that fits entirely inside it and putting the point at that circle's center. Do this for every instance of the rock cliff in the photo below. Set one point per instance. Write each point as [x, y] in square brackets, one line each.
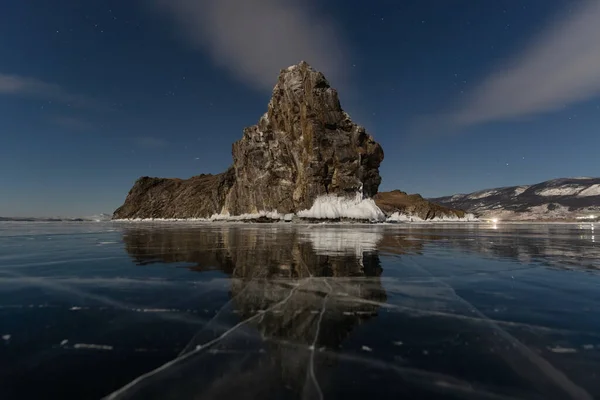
[303, 147]
[198, 197]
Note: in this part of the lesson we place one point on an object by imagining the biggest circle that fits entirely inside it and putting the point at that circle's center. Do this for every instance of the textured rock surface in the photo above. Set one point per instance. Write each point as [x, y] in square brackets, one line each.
[303, 147]
[413, 204]
[197, 197]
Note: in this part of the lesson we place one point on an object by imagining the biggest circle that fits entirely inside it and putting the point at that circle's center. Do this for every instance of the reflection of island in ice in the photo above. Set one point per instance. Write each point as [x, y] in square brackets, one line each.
[308, 315]
[294, 292]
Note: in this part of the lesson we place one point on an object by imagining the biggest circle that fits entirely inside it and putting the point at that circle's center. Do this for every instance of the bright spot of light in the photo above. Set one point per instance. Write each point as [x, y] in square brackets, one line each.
[495, 220]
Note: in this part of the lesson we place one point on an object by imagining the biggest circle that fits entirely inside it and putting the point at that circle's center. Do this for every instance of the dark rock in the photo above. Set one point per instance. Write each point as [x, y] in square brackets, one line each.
[414, 205]
[303, 147]
[197, 197]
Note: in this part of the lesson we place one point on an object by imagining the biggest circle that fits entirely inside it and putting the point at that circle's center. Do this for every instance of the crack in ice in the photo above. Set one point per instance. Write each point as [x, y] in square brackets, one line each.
[314, 343]
[555, 375]
[197, 349]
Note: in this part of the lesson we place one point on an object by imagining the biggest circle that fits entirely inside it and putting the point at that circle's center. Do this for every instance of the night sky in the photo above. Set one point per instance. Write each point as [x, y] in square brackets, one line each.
[463, 95]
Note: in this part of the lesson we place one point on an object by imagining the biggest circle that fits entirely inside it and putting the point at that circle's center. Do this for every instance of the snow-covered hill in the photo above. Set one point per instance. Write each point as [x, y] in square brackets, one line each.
[557, 199]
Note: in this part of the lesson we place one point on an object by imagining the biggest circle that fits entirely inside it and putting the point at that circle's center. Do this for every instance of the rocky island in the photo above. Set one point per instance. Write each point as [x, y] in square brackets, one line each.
[305, 157]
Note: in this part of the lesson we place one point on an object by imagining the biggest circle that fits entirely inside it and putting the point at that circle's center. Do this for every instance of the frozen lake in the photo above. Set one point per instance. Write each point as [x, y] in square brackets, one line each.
[283, 311]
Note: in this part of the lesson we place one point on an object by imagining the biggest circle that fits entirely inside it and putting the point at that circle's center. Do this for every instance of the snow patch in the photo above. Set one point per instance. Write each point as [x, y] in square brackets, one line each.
[593, 190]
[561, 191]
[274, 215]
[481, 195]
[334, 207]
[520, 190]
[398, 217]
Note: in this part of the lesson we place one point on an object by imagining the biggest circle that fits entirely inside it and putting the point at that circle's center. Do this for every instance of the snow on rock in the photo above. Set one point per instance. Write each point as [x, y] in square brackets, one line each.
[335, 207]
[561, 191]
[274, 215]
[593, 190]
[481, 195]
[541, 212]
[520, 190]
[397, 217]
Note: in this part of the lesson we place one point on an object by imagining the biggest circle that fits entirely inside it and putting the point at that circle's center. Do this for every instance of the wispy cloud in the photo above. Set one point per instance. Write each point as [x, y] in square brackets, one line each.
[559, 67]
[255, 39]
[30, 87]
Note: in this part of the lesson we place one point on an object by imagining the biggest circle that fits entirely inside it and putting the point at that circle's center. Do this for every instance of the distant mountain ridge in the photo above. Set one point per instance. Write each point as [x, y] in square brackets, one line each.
[92, 218]
[556, 199]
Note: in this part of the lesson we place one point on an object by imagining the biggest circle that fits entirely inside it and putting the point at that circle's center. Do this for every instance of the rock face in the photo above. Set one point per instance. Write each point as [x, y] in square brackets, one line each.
[414, 205]
[305, 146]
[197, 197]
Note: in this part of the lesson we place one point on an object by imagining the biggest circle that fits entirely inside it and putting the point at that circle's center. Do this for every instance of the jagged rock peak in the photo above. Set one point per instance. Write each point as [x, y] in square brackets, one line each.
[305, 146]
[302, 90]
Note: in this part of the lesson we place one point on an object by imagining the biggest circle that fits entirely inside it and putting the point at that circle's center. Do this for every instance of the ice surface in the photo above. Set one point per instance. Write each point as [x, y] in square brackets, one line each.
[289, 305]
[334, 207]
[331, 242]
